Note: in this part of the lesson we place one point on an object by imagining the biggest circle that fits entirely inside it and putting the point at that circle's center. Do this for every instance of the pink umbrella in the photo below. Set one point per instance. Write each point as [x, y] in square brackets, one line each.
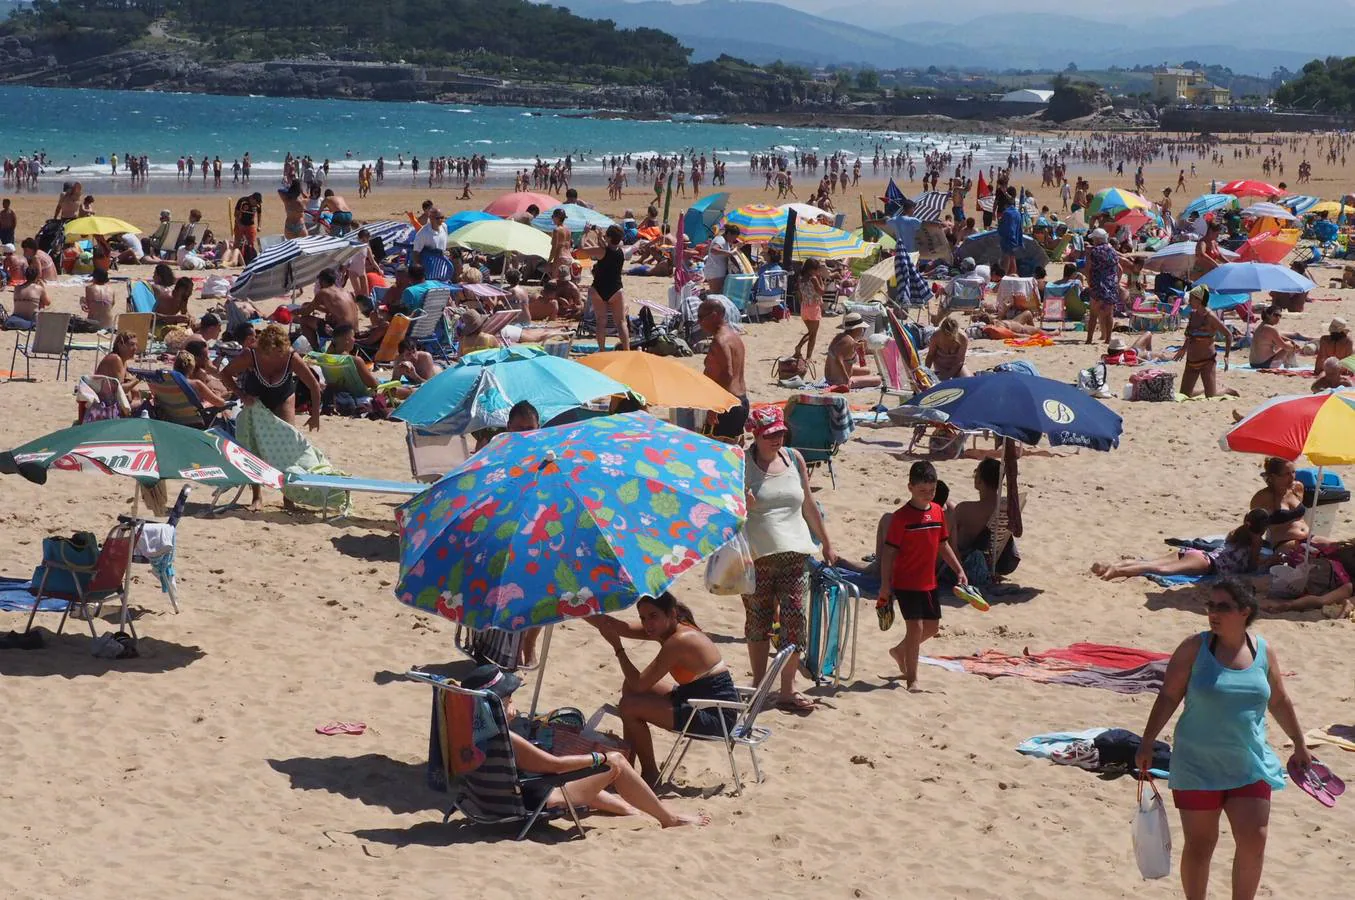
[513, 204]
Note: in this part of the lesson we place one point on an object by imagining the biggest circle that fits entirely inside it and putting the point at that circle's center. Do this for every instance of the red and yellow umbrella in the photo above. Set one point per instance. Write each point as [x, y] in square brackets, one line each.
[1318, 426]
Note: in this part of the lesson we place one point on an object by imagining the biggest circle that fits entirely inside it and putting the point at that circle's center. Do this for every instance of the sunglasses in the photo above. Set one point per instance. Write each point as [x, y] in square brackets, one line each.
[1220, 606]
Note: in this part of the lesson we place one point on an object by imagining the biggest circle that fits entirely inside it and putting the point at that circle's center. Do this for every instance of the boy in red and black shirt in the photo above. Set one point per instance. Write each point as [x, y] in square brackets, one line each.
[916, 537]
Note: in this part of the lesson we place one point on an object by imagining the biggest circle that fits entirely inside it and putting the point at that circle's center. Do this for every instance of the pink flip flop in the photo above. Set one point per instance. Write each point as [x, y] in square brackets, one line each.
[1311, 783]
[341, 728]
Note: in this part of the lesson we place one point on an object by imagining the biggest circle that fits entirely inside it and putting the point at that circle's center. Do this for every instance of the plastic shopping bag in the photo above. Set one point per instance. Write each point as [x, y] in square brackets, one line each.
[730, 569]
[1152, 835]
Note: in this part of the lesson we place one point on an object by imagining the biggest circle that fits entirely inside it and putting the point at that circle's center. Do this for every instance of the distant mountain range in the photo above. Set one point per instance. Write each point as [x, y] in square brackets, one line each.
[1248, 36]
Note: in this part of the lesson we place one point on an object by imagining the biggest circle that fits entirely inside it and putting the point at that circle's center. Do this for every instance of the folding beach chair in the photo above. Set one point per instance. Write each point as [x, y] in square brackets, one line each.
[739, 290]
[174, 400]
[964, 295]
[1062, 303]
[156, 239]
[436, 266]
[768, 293]
[49, 339]
[390, 343]
[100, 397]
[1009, 287]
[819, 425]
[470, 756]
[106, 579]
[832, 626]
[429, 329]
[889, 364]
[340, 372]
[331, 486]
[1054, 314]
[139, 324]
[432, 454]
[140, 297]
[745, 732]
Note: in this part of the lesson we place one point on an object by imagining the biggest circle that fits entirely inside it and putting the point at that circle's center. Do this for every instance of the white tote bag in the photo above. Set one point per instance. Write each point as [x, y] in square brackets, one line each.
[730, 569]
[1152, 835]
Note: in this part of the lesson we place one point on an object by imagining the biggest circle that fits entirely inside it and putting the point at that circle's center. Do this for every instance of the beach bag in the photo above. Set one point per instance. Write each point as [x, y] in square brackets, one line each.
[1313, 577]
[795, 366]
[730, 569]
[1152, 835]
[59, 554]
[215, 287]
[1094, 380]
[1154, 385]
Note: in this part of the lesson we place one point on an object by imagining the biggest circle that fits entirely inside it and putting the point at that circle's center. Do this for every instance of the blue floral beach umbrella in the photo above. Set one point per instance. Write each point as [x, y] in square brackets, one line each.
[702, 216]
[1207, 203]
[568, 522]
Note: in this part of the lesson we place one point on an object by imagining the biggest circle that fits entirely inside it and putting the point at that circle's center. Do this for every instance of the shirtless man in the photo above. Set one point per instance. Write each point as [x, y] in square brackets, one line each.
[561, 260]
[1269, 348]
[1334, 375]
[969, 519]
[567, 296]
[724, 366]
[343, 344]
[30, 297]
[68, 204]
[414, 365]
[9, 222]
[341, 217]
[172, 308]
[114, 365]
[40, 259]
[336, 303]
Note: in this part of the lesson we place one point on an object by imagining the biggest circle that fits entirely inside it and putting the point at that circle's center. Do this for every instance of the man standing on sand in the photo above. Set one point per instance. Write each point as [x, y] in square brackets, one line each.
[1008, 231]
[340, 216]
[432, 236]
[9, 222]
[724, 366]
[248, 218]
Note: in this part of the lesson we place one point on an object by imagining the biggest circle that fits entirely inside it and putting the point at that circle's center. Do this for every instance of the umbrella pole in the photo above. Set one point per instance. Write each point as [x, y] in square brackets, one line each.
[1317, 498]
[541, 669]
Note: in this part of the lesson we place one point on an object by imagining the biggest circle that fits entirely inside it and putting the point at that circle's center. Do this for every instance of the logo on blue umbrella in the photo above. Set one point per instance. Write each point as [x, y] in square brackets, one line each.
[941, 398]
[1058, 413]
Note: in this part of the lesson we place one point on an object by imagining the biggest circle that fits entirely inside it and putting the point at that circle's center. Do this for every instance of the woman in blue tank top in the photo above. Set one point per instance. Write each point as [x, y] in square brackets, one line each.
[1221, 761]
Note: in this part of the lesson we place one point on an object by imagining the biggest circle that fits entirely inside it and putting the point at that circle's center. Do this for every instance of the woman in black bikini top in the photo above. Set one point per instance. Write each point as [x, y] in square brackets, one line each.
[269, 374]
[606, 294]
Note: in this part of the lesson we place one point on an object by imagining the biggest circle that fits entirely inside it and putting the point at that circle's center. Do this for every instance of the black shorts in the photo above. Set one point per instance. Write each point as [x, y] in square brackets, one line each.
[916, 605]
[731, 424]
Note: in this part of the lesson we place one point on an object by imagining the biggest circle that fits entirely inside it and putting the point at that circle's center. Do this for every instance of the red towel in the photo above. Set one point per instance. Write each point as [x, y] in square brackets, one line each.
[1106, 656]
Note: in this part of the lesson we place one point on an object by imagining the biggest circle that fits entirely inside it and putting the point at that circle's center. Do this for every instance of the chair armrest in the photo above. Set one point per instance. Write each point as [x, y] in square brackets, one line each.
[555, 779]
[700, 703]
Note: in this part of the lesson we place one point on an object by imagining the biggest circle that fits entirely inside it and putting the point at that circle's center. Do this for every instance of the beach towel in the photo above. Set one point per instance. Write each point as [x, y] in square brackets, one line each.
[1342, 736]
[1171, 581]
[1107, 655]
[1068, 666]
[1035, 340]
[258, 430]
[16, 595]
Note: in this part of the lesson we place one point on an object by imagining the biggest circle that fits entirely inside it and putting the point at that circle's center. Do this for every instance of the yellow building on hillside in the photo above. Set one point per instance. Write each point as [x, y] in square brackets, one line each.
[1175, 85]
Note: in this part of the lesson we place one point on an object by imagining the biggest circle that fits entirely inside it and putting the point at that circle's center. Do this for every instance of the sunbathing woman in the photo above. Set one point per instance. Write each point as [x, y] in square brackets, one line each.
[651, 696]
[187, 366]
[946, 351]
[1000, 329]
[1199, 351]
[632, 798]
[1282, 498]
[1237, 556]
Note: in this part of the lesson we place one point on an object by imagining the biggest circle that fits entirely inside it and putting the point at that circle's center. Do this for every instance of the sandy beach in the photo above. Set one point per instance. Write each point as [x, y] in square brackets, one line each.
[197, 768]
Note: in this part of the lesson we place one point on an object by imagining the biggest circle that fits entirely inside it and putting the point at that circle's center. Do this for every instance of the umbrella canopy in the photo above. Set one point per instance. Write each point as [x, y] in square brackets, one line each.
[1250, 277]
[1178, 259]
[817, 241]
[1024, 408]
[931, 205]
[495, 236]
[576, 218]
[702, 216]
[757, 222]
[1109, 200]
[100, 225]
[1318, 426]
[1250, 188]
[516, 203]
[290, 264]
[806, 211]
[661, 380]
[568, 522]
[1268, 210]
[390, 231]
[1207, 203]
[1134, 219]
[479, 392]
[885, 242]
[875, 279]
[1330, 207]
[467, 216]
[986, 249]
[145, 449]
[1269, 247]
[1299, 203]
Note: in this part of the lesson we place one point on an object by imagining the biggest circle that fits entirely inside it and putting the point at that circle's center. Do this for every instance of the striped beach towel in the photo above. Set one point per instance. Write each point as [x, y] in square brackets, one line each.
[912, 288]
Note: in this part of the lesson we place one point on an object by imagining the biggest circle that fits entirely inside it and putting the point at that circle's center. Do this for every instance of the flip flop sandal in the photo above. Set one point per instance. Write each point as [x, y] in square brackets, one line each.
[341, 728]
[796, 702]
[970, 594]
[885, 613]
[1308, 782]
[1334, 785]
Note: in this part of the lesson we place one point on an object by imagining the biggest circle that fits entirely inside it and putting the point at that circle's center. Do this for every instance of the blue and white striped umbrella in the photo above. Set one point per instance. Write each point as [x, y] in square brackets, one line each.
[291, 264]
[1299, 203]
[1207, 203]
[931, 205]
[391, 232]
[576, 217]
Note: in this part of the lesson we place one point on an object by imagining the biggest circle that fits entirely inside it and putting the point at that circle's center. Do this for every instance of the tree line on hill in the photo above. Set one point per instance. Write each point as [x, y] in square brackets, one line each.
[1324, 85]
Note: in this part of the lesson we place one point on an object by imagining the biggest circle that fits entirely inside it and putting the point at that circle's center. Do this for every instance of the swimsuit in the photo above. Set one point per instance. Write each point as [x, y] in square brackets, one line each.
[710, 722]
[607, 273]
[270, 394]
[294, 229]
[1194, 333]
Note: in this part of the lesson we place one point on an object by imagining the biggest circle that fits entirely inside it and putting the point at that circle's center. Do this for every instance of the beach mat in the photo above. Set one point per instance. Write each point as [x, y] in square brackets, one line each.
[1171, 581]
[16, 596]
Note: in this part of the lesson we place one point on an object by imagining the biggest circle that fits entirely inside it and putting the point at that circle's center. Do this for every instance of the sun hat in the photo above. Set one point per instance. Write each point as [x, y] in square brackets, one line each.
[765, 421]
[1338, 326]
[852, 321]
[1098, 236]
[8, 248]
[472, 322]
[493, 679]
[1116, 345]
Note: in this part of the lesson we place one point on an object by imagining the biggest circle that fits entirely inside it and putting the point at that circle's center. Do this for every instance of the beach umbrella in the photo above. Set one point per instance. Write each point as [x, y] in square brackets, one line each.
[1110, 200]
[1023, 408]
[1178, 259]
[931, 206]
[806, 211]
[516, 203]
[986, 249]
[1269, 247]
[289, 265]
[390, 232]
[87, 226]
[758, 222]
[466, 217]
[1330, 207]
[576, 218]
[1269, 211]
[1207, 203]
[876, 279]
[814, 240]
[498, 236]
[702, 216]
[1299, 203]
[1250, 277]
[1250, 188]
[661, 380]
[480, 390]
[1134, 219]
[147, 450]
[885, 242]
[1320, 427]
[568, 522]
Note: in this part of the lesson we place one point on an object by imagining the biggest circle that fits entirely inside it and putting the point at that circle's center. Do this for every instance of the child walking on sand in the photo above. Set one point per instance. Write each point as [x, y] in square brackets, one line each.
[916, 538]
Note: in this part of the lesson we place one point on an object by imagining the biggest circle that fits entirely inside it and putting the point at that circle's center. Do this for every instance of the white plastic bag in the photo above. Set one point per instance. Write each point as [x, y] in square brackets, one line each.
[730, 569]
[1152, 835]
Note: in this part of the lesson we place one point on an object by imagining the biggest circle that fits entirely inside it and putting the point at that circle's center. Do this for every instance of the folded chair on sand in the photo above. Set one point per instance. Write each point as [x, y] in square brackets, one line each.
[745, 731]
[819, 425]
[470, 757]
[432, 455]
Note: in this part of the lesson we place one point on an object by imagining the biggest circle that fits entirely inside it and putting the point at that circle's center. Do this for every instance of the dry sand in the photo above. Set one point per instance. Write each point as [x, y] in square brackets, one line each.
[197, 770]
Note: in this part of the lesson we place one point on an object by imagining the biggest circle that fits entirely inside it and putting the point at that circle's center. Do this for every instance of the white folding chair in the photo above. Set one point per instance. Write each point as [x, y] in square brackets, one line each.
[49, 339]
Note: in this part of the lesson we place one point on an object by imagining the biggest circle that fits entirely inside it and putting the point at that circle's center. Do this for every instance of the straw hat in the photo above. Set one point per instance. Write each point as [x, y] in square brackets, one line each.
[472, 322]
[852, 321]
[1116, 345]
[1338, 326]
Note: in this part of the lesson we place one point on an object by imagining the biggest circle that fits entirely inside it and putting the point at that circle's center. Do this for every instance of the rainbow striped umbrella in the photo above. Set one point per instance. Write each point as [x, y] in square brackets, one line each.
[815, 241]
[1110, 200]
[1318, 426]
[757, 222]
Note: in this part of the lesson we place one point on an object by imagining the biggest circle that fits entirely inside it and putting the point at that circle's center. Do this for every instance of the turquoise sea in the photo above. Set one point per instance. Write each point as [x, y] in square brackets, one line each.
[78, 127]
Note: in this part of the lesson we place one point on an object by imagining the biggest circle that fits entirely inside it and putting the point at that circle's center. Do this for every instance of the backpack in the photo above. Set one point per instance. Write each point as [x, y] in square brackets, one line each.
[1154, 385]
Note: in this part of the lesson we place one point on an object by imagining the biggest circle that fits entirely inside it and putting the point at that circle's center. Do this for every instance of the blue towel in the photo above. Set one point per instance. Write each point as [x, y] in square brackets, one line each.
[1043, 746]
[16, 596]
[1179, 580]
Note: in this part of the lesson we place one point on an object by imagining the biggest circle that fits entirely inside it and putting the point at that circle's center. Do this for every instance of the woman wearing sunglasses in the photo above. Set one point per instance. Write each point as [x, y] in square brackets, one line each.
[1221, 761]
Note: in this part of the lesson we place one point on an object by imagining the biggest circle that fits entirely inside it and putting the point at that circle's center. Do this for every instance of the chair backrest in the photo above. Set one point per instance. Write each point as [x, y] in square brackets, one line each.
[965, 293]
[140, 297]
[51, 337]
[157, 238]
[174, 398]
[110, 569]
[139, 324]
[434, 305]
[341, 373]
[395, 333]
[758, 701]
[491, 645]
[436, 266]
[739, 288]
[432, 455]
[772, 284]
[1055, 309]
[478, 766]
[811, 428]
[890, 365]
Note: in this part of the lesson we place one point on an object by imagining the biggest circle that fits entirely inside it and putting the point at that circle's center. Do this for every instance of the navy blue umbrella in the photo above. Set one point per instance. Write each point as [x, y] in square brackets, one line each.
[1024, 408]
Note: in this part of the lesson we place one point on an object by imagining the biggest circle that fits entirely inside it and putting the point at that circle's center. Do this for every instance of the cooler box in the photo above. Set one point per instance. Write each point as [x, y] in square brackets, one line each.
[1322, 513]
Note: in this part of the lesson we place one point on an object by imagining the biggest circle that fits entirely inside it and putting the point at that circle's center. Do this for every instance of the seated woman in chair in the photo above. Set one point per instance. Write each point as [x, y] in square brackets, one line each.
[632, 798]
[651, 696]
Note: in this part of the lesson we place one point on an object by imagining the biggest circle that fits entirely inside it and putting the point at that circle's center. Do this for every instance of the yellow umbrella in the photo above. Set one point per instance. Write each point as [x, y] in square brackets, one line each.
[817, 241]
[662, 381]
[86, 226]
[1330, 207]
